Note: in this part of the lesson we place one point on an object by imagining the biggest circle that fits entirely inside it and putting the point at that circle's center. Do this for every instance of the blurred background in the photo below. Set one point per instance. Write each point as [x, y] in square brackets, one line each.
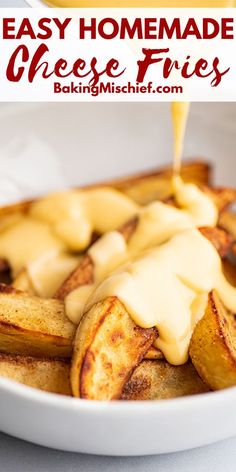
[48, 146]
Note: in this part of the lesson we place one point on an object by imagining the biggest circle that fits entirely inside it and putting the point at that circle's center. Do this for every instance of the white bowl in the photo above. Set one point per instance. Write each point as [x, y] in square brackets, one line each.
[36, 3]
[61, 134]
[116, 428]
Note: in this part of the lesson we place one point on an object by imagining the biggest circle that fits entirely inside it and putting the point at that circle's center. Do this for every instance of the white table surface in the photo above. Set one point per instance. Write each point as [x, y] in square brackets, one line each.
[19, 456]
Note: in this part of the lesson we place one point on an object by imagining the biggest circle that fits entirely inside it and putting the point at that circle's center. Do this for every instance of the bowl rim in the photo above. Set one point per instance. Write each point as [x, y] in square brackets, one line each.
[133, 407]
[36, 3]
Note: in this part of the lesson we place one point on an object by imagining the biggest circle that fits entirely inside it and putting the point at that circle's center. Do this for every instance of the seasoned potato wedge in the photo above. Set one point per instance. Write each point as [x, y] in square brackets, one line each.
[222, 240]
[143, 187]
[108, 346]
[153, 354]
[33, 326]
[146, 187]
[223, 197]
[158, 380]
[213, 346]
[50, 375]
[228, 222]
[84, 272]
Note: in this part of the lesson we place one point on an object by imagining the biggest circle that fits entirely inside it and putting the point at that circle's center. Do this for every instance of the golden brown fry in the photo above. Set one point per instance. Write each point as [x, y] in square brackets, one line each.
[50, 375]
[221, 240]
[229, 267]
[143, 187]
[33, 326]
[158, 380]
[154, 354]
[107, 347]
[84, 273]
[213, 346]
[228, 222]
[156, 185]
[223, 197]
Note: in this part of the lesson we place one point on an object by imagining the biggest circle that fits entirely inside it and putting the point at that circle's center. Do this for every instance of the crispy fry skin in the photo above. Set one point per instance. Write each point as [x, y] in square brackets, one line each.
[84, 273]
[158, 380]
[228, 222]
[107, 347]
[154, 354]
[213, 346]
[222, 240]
[145, 187]
[50, 375]
[223, 197]
[33, 326]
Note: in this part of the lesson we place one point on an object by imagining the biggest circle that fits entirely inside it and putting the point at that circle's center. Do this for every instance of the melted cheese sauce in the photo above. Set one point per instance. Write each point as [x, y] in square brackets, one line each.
[158, 222]
[75, 215]
[26, 241]
[168, 288]
[179, 111]
[63, 222]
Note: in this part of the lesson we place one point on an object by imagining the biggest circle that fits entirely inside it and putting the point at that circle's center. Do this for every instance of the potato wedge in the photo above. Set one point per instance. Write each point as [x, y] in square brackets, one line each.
[107, 347]
[146, 187]
[158, 380]
[222, 240]
[229, 268]
[143, 187]
[213, 346]
[84, 272]
[50, 375]
[223, 197]
[153, 354]
[228, 222]
[33, 326]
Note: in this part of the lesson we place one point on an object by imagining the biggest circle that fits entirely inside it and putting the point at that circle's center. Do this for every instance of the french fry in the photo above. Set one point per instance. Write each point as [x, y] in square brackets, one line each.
[23, 283]
[221, 240]
[142, 187]
[50, 375]
[5, 272]
[158, 380]
[33, 326]
[146, 187]
[228, 222]
[223, 197]
[107, 347]
[213, 346]
[154, 354]
[84, 273]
